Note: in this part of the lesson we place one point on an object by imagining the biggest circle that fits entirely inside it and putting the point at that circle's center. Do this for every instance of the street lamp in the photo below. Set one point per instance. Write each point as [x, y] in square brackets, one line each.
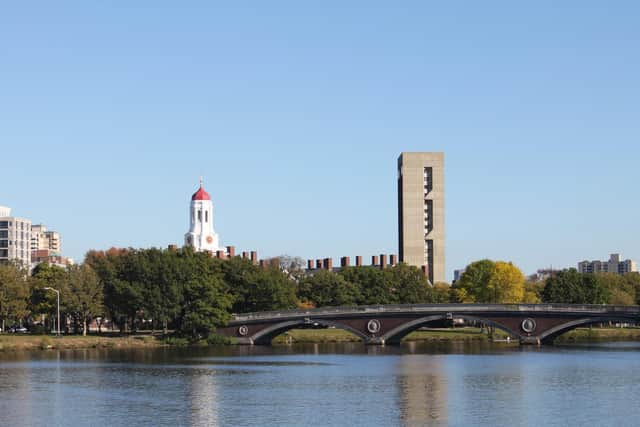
[58, 293]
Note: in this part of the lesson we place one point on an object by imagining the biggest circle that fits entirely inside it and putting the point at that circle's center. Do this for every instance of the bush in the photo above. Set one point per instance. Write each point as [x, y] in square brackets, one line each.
[214, 339]
[176, 341]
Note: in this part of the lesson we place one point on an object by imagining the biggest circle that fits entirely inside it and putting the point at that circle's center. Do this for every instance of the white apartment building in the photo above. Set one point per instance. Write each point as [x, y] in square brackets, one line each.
[614, 265]
[15, 238]
[43, 239]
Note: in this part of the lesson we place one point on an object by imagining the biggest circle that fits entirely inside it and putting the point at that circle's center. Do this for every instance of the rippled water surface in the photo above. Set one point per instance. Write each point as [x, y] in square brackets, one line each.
[341, 384]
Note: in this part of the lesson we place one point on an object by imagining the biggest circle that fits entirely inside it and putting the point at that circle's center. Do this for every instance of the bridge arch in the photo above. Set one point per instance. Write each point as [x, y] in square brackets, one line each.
[548, 336]
[265, 336]
[396, 335]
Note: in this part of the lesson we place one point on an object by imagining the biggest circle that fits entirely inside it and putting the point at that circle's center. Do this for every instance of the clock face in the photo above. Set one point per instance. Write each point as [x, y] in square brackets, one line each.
[209, 239]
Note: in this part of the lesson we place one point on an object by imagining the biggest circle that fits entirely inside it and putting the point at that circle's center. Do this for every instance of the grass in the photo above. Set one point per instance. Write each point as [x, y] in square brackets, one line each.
[19, 342]
[455, 334]
[600, 334]
[338, 335]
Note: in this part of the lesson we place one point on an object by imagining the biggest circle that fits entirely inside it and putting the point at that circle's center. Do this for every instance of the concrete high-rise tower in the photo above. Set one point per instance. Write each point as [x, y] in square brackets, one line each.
[201, 235]
[421, 231]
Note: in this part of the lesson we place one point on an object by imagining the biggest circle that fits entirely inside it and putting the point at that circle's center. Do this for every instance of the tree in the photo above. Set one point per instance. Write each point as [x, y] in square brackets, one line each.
[442, 293]
[487, 281]
[408, 284]
[621, 290]
[14, 291]
[205, 307]
[83, 294]
[506, 284]
[326, 288]
[571, 287]
[42, 301]
[373, 288]
[532, 292]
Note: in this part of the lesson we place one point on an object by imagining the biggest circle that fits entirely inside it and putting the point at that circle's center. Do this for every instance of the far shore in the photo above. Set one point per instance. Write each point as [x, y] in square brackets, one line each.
[19, 342]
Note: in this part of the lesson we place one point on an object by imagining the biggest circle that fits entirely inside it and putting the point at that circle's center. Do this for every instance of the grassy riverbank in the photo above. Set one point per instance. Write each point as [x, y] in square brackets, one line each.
[600, 334]
[17, 342]
[338, 335]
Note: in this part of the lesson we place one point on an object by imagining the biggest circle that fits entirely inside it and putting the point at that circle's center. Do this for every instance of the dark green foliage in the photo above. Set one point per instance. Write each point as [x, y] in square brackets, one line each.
[571, 287]
[187, 291]
[401, 284]
[326, 288]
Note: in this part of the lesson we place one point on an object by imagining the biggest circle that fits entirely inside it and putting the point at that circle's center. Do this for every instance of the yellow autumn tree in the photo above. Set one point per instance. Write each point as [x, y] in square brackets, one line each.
[506, 284]
[489, 281]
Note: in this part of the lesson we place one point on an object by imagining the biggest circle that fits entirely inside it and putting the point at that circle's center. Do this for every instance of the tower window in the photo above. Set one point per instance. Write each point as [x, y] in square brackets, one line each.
[200, 216]
[206, 216]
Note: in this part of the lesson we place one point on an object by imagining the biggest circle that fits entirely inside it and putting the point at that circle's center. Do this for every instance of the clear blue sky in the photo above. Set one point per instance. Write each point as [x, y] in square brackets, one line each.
[295, 114]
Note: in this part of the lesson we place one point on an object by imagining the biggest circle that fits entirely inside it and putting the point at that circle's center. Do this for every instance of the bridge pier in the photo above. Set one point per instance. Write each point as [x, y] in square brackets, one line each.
[374, 341]
[530, 341]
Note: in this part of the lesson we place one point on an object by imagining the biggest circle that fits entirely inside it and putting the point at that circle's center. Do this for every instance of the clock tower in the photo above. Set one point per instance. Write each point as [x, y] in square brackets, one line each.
[201, 235]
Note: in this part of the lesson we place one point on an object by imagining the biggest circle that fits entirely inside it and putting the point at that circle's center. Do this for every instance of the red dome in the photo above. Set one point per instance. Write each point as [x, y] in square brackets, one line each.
[201, 194]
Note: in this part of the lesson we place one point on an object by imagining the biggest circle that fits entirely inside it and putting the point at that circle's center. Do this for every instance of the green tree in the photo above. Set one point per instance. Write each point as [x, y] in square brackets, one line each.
[571, 287]
[14, 291]
[408, 285]
[205, 306]
[42, 301]
[326, 288]
[83, 294]
[373, 288]
[442, 293]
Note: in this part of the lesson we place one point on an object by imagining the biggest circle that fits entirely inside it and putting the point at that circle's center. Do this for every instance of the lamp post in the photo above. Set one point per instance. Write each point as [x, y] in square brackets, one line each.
[58, 294]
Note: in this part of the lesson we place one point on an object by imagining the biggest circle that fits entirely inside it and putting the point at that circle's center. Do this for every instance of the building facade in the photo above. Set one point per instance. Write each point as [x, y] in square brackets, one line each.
[421, 225]
[15, 238]
[43, 239]
[614, 265]
[201, 235]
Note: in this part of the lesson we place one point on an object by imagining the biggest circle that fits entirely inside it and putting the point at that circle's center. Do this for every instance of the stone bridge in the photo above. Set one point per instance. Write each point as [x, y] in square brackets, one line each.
[388, 324]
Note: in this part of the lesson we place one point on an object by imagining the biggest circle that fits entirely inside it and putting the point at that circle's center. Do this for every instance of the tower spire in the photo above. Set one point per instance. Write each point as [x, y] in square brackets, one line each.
[201, 181]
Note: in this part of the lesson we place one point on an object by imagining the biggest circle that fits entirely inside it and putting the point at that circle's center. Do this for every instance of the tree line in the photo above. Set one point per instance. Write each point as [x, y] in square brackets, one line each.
[489, 281]
[193, 293]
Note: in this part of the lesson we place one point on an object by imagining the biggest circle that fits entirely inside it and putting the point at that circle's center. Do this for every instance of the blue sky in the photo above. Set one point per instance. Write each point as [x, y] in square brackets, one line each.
[295, 114]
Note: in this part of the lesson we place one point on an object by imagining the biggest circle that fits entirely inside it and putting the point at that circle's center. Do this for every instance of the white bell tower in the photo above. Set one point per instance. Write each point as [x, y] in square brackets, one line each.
[201, 235]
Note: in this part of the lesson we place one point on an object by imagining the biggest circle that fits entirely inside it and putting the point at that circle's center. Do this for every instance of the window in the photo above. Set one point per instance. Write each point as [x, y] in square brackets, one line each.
[4, 253]
[4, 243]
[4, 234]
[206, 216]
[199, 216]
[4, 224]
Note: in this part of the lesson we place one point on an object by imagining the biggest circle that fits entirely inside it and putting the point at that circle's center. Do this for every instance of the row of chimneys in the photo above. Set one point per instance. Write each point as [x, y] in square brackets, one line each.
[230, 253]
[345, 261]
[318, 264]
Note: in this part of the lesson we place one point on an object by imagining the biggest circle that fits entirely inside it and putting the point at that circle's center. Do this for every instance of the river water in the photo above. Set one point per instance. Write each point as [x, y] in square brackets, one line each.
[453, 384]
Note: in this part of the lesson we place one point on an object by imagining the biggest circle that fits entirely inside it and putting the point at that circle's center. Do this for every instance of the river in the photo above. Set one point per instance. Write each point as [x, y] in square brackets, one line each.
[457, 384]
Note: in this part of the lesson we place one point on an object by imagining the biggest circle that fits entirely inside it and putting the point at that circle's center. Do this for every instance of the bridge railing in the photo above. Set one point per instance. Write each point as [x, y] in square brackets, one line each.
[439, 308]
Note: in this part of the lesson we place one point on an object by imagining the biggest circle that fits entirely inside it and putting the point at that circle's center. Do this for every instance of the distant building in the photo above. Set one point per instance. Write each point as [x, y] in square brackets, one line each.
[421, 230]
[201, 235]
[15, 238]
[542, 275]
[457, 274]
[42, 239]
[614, 265]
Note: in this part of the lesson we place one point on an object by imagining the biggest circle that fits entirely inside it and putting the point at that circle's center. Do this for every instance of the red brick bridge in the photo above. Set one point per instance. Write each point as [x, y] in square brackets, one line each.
[388, 324]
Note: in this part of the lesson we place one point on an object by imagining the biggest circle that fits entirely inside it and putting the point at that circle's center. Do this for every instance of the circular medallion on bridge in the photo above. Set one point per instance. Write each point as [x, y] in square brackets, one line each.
[243, 331]
[528, 325]
[373, 326]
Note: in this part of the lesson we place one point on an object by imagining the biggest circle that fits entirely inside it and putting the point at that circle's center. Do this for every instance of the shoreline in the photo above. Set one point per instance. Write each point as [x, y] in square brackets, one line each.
[14, 342]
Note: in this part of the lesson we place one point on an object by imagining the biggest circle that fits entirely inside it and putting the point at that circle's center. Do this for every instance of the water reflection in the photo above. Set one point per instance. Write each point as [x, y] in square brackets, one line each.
[423, 390]
[203, 398]
[332, 384]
